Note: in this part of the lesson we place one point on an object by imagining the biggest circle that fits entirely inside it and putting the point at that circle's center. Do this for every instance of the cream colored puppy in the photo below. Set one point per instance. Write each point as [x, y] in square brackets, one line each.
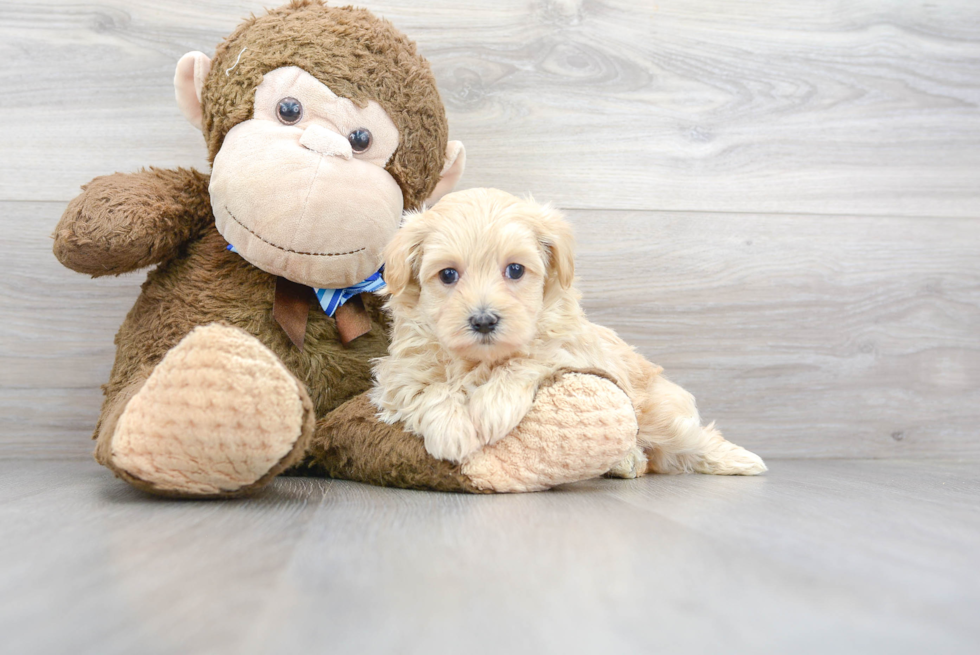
[484, 309]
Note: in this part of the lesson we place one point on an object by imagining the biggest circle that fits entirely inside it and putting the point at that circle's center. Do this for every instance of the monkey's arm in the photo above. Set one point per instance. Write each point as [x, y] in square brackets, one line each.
[580, 426]
[126, 221]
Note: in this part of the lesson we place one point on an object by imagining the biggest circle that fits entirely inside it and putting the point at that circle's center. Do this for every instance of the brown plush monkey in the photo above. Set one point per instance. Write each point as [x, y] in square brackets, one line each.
[322, 125]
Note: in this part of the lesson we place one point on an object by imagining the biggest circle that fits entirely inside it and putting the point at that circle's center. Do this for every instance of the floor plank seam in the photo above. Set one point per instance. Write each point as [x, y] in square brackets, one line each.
[662, 211]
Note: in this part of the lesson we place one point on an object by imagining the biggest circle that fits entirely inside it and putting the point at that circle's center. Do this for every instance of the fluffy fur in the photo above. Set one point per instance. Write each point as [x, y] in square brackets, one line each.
[461, 389]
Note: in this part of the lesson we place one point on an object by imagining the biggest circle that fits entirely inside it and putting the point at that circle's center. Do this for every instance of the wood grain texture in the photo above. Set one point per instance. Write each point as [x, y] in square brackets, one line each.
[815, 557]
[865, 107]
[809, 336]
[802, 336]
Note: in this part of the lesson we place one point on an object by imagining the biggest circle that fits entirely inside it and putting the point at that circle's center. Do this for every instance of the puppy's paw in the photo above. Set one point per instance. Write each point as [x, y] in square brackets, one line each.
[492, 427]
[449, 433]
[496, 410]
[634, 465]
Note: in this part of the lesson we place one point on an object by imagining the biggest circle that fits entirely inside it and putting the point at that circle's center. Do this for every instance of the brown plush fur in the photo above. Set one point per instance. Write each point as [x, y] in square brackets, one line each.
[359, 57]
[123, 222]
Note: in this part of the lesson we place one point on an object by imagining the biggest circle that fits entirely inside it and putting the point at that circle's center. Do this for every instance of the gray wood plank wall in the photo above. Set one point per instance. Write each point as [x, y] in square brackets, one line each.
[779, 202]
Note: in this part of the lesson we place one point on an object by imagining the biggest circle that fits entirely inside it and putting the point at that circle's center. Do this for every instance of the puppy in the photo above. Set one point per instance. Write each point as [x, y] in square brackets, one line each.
[484, 309]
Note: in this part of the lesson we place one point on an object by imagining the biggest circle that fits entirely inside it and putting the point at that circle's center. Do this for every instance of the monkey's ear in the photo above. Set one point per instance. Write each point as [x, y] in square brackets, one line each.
[192, 70]
[451, 171]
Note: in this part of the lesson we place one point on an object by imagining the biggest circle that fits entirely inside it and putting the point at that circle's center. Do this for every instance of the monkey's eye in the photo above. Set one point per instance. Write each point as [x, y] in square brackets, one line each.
[360, 140]
[514, 271]
[449, 276]
[289, 111]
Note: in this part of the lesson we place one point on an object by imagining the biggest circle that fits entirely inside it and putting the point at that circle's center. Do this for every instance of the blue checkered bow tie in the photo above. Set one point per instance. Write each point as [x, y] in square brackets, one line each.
[331, 299]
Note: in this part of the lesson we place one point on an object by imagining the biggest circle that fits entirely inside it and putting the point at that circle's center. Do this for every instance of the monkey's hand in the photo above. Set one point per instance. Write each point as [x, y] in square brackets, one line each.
[126, 221]
[580, 426]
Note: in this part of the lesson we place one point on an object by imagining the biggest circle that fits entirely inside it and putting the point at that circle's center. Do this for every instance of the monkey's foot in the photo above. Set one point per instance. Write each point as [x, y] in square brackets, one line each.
[219, 416]
[580, 426]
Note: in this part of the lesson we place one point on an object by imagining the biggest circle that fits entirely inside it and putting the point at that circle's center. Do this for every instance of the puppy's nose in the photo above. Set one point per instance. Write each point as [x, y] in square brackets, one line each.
[484, 322]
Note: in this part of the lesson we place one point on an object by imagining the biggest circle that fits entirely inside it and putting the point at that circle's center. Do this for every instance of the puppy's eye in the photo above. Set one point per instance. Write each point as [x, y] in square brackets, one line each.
[514, 271]
[289, 111]
[449, 276]
[360, 139]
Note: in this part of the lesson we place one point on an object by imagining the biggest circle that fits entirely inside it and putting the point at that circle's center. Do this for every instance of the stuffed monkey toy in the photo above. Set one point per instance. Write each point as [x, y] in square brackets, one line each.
[248, 351]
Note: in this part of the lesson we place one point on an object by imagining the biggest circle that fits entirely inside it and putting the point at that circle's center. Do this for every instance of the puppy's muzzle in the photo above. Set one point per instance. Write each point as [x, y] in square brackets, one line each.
[484, 322]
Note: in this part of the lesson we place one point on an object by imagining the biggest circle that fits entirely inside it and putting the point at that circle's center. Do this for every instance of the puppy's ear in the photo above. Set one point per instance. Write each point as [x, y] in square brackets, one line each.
[404, 254]
[555, 236]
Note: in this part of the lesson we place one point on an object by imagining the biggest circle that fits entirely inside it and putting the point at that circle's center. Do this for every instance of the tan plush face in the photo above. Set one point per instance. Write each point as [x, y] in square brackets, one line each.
[301, 188]
[475, 269]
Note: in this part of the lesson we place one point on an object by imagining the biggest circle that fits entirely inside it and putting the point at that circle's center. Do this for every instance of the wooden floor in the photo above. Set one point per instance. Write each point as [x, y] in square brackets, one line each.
[818, 556]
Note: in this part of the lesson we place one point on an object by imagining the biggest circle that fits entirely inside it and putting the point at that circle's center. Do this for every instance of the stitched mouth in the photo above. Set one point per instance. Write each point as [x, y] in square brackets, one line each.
[289, 250]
